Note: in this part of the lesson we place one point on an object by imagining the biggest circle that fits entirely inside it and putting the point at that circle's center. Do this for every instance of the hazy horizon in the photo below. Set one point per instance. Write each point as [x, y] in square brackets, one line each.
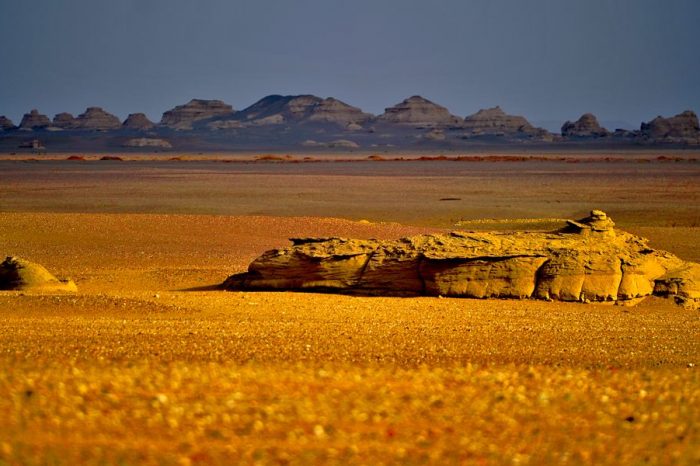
[549, 61]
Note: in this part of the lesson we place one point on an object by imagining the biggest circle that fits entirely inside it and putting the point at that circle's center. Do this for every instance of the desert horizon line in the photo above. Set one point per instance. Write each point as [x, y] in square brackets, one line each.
[35, 110]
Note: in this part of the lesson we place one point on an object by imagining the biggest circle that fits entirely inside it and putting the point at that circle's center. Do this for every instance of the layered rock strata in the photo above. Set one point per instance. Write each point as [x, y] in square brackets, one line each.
[6, 124]
[23, 275]
[682, 128]
[96, 119]
[184, 116]
[495, 122]
[137, 122]
[34, 120]
[279, 109]
[586, 261]
[63, 120]
[418, 111]
[585, 127]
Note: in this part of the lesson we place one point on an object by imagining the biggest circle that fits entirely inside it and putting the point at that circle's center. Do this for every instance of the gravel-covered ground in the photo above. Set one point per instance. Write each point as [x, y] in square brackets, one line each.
[147, 364]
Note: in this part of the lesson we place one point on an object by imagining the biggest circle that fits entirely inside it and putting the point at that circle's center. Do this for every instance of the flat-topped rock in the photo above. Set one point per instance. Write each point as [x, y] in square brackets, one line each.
[138, 122]
[184, 116]
[585, 127]
[495, 122]
[418, 111]
[23, 275]
[587, 261]
[96, 119]
[34, 120]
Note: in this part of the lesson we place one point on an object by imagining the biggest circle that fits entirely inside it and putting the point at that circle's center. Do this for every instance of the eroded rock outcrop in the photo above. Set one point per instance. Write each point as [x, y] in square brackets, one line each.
[418, 111]
[34, 120]
[682, 128]
[279, 109]
[6, 124]
[23, 275]
[96, 119]
[63, 120]
[184, 116]
[587, 261]
[495, 122]
[585, 127]
[137, 122]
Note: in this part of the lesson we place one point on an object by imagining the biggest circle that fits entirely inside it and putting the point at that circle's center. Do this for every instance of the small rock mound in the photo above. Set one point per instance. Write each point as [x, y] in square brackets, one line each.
[418, 111]
[34, 120]
[137, 122]
[586, 261]
[22, 275]
[63, 120]
[6, 124]
[585, 127]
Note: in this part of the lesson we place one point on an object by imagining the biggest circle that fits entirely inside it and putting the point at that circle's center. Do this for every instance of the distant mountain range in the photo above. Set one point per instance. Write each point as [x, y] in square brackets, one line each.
[308, 122]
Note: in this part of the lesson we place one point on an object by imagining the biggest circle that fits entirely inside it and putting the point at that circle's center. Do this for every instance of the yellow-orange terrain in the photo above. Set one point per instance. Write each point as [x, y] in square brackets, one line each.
[149, 364]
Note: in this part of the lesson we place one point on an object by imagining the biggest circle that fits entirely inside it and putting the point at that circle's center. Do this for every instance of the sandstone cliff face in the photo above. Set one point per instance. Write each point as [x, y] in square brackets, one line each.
[22, 275]
[585, 127]
[6, 124]
[63, 120]
[682, 128]
[34, 120]
[418, 111]
[588, 261]
[137, 122]
[95, 119]
[182, 117]
[278, 109]
[495, 122]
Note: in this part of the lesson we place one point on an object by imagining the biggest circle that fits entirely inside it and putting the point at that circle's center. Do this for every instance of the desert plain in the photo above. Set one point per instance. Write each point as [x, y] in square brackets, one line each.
[150, 363]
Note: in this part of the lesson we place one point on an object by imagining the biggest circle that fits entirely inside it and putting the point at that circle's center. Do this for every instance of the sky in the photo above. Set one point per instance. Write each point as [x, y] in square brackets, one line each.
[626, 61]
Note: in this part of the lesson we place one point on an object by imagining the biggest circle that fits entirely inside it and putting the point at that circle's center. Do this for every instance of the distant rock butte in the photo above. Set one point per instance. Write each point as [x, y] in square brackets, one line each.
[585, 127]
[6, 124]
[182, 117]
[34, 120]
[278, 109]
[682, 128]
[495, 122]
[586, 261]
[63, 120]
[23, 275]
[95, 119]
[137, 122]
[418, 111]
[148, 142]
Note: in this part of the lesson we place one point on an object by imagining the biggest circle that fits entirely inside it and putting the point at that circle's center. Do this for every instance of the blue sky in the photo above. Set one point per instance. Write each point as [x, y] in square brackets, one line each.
[549, 60]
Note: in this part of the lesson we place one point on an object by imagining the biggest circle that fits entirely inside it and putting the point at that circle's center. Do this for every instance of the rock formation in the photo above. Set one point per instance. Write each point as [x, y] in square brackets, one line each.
[418, 111]
[278, 109]
[63, 120]
[137, 122]
[96, 119]
[6, 124]
[495, 122]
[22, 275]
[34, 120]
[585, 127]
[587, 261]
[148, 142]
[682, 128]
[182, 117]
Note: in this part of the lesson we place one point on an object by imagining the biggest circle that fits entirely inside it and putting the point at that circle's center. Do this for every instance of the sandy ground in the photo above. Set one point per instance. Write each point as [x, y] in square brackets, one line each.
[148, 365]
